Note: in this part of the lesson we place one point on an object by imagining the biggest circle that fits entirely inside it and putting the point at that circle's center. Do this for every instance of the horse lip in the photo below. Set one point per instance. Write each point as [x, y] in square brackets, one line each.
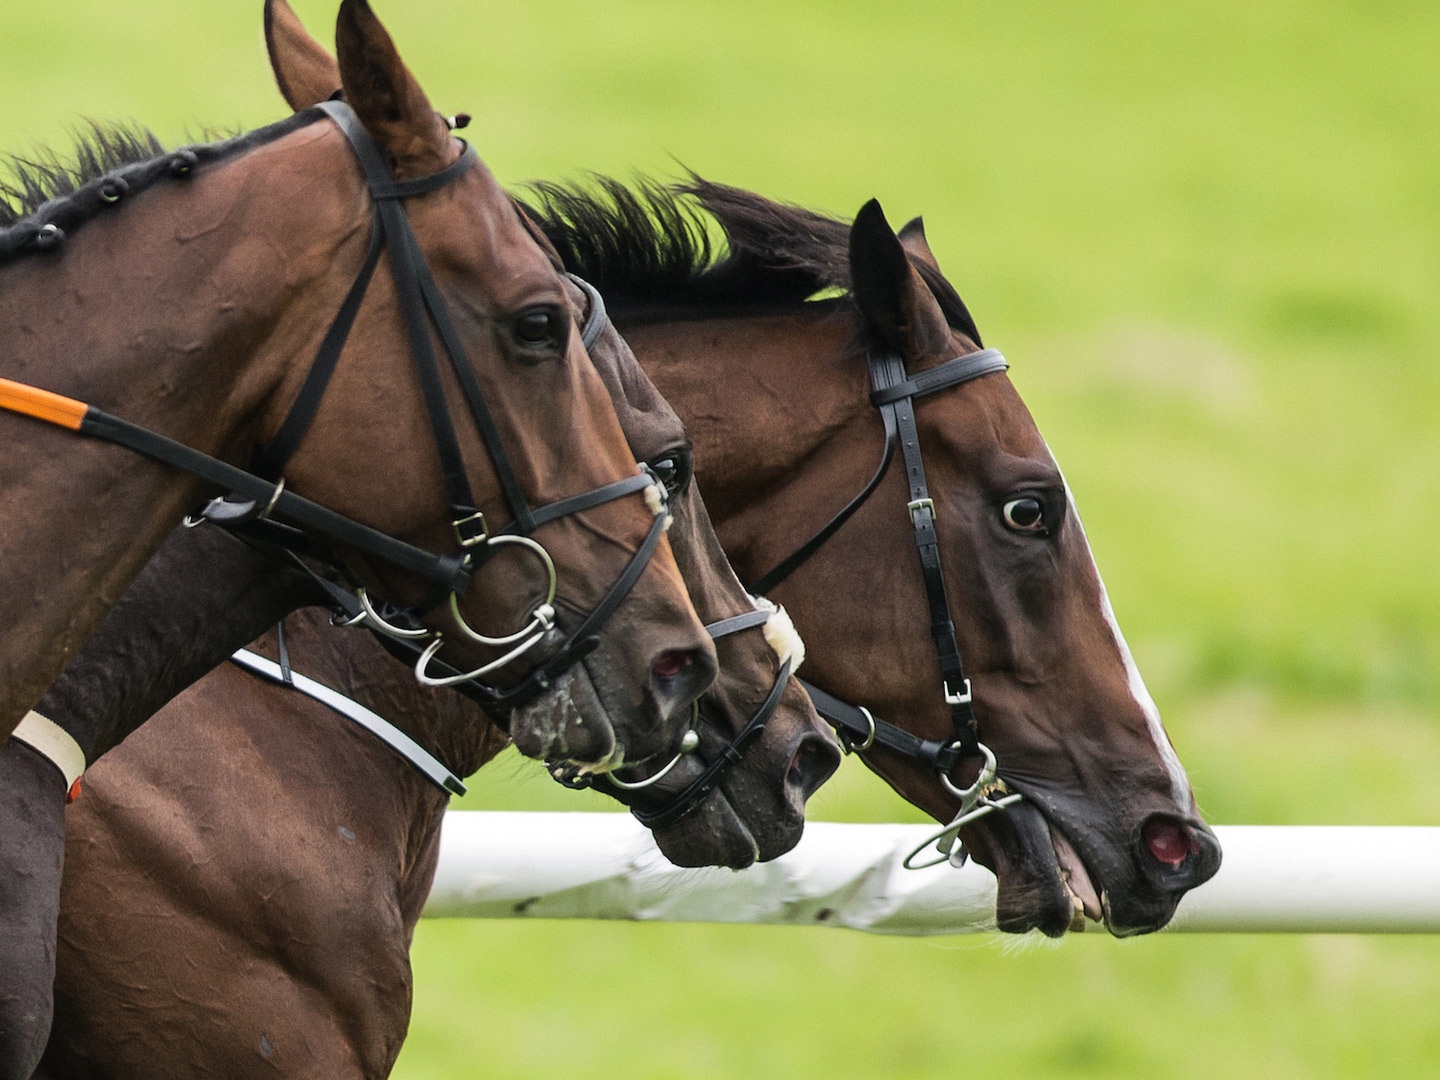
[1087, 892]
[1077, 879]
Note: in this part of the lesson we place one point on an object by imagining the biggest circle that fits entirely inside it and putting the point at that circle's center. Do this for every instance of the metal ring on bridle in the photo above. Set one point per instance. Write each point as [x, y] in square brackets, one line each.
[688, 744]
[542, 618]
[984, 780]
[485, 669]
[870, 738]
[975, 803]
[947, 840]
[379, 623]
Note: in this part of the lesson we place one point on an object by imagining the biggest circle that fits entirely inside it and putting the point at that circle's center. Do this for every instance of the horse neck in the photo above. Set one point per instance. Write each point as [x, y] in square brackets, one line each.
[167, 311]
[202, 596]
[159, 311]
[765, 398]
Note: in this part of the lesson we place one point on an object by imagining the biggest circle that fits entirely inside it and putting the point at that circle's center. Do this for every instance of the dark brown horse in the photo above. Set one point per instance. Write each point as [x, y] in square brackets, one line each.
[787, 427]
[235, 259]
[371, 872]
[1108, 823]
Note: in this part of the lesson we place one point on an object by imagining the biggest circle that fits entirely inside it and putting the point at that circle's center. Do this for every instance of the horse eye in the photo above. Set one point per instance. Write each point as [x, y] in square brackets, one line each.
[535, 327]
[1025, 514]
[671, 470]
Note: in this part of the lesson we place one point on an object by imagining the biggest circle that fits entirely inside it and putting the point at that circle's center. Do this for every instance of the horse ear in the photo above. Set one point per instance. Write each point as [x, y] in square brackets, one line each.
[386, 97]
[304, 69]
[912, 239]
[896, 303]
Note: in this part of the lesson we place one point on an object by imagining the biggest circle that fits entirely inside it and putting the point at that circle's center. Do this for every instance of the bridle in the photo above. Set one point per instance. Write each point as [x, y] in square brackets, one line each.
[351, 609]
[260, 496]
[893, 393]
[690, 797]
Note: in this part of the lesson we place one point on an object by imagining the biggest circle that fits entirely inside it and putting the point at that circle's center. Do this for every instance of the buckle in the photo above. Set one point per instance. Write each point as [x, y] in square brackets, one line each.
[964, 698]
[471, 530]
[921, 504]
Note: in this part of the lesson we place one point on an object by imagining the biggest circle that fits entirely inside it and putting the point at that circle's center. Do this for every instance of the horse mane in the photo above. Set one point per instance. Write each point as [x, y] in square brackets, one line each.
[108, 164]
[699, 248]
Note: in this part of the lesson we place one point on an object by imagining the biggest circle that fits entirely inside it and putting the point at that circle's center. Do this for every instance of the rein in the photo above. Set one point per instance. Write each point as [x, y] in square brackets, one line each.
[893, 394]
[261, 493]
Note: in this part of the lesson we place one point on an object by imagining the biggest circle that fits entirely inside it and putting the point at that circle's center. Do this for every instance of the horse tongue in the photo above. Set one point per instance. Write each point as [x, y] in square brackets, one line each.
[1082, 890]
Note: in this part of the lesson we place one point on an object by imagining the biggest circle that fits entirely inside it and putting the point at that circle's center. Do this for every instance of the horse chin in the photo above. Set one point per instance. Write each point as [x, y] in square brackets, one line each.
[1018, 847]
[1056, 874]
[567, 724]
[757, 812]
[712, 835]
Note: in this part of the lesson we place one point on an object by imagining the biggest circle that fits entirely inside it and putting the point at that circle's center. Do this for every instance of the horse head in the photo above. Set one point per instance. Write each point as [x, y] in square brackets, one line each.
[607, 647]
[1108, 824]
[749, 803]
[767, 749]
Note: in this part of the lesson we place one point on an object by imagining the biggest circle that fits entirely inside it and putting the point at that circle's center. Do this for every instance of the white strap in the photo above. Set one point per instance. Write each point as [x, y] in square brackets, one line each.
[372, 722]
[50, 739]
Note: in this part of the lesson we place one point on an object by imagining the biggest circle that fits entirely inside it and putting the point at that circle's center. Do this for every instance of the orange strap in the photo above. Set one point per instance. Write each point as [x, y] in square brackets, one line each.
[42, 404]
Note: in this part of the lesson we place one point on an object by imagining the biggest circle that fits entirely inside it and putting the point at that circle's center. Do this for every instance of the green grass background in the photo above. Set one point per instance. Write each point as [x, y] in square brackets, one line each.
[1206, 235]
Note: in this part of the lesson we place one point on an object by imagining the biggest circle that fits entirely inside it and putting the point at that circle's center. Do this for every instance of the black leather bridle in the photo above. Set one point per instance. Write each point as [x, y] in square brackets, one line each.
[689, 798]
[259, 496]
[893, 393]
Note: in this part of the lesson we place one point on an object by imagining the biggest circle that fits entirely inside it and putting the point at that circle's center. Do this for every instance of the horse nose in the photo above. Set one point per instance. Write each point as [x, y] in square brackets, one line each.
[814, 762]
[679, 676]
[1181, 853]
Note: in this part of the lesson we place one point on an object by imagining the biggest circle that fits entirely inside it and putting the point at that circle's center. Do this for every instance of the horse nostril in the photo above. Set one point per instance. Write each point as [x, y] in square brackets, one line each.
[813, 763]
[1168, 841]
[671, 662]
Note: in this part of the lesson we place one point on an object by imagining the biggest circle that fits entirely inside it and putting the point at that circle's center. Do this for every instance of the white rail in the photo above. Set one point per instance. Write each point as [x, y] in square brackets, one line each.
[1310, 879]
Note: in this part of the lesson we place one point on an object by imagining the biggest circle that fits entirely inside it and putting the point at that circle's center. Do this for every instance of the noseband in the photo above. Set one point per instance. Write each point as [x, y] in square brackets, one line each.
[893, 394]
[260, 495]
[685, 801]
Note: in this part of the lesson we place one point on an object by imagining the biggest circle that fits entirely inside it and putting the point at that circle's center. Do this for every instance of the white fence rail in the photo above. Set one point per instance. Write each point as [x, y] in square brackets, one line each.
[1275, 879]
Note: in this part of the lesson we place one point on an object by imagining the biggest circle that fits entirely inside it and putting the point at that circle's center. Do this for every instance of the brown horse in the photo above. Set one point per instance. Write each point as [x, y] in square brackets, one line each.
[1108, 824]
[368, 874]
[756, 445]
[236, 257]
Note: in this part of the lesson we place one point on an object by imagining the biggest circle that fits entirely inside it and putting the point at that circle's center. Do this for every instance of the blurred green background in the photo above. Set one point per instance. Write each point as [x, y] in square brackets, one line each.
[1206, 235]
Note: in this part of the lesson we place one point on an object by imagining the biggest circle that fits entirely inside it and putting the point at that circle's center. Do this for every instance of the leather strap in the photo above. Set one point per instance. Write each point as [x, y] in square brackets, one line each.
[887, 372]
[862, 730]
[892, 392]
[802, 554]
[687, 800]
[951, 373]
[272, 460]
[416, 755]
[449, 571]
[733, 625]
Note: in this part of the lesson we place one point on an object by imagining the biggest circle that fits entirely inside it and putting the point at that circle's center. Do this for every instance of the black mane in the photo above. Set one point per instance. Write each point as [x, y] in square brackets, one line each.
[651, 247]
[99, 149]
[45, 198]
